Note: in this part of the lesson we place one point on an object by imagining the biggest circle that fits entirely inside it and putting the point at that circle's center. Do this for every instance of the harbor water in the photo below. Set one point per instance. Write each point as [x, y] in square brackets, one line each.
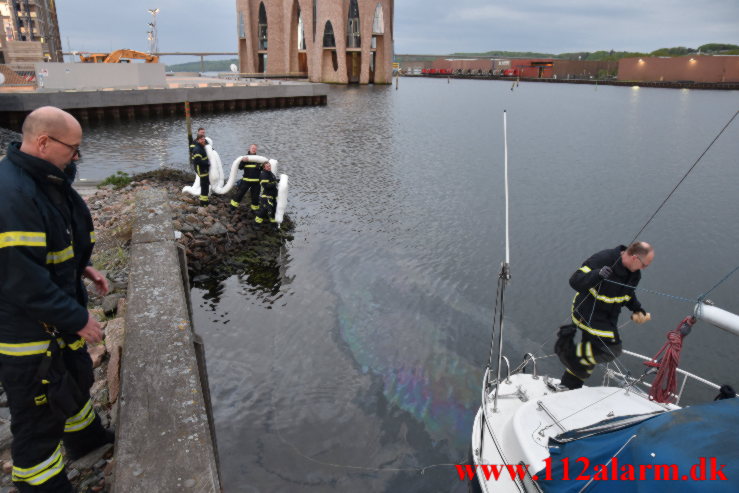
[350, 358]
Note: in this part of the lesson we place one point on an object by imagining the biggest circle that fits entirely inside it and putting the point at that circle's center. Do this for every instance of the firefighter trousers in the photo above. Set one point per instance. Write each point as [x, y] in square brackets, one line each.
[42, 415]
[266, 212]
[580, 359]
[247, 186]
[204, 184]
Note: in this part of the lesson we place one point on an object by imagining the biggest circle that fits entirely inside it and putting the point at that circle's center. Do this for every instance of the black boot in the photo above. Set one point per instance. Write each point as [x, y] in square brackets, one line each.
[565, 345]
[571, 381]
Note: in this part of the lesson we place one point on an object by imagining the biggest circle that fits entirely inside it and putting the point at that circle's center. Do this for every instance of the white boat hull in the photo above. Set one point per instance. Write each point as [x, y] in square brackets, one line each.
[529, 413]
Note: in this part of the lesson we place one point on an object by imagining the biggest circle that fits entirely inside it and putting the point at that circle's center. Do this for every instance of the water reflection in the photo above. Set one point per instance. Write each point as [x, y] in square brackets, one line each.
[361, 342]
[260, 271]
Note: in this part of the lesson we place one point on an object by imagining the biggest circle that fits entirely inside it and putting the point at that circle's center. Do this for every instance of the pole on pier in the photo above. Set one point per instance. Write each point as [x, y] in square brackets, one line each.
[188, 121]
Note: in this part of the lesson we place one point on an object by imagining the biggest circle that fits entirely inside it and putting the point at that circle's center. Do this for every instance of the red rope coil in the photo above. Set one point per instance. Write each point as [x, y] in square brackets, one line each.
[666, 361]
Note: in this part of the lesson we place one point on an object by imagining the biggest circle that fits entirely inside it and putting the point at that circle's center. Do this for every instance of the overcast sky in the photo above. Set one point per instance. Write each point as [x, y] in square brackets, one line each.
[424, 26]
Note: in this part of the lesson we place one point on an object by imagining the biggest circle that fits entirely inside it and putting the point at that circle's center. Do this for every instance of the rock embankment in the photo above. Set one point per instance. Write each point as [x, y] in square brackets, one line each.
[216, 239]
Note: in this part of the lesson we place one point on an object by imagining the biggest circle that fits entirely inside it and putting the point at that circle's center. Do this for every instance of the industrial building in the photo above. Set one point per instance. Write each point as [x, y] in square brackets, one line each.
[693, 68]
[536, 68]
[29, 33]
[334, 41]
[689, 69]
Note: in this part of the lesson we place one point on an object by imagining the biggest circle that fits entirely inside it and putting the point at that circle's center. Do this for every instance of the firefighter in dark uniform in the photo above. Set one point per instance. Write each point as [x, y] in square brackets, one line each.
[201, 132]
[605, 282]
[267, 197]
[202, 168]
[46, 240]
[249, 183]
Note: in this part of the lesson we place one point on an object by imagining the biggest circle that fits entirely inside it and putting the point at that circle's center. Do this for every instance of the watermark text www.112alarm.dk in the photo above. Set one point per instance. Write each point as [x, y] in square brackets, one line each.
[580, 469]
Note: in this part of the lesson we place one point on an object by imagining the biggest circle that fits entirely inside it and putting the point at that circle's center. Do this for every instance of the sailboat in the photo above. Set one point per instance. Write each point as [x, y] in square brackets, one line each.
[531, 435]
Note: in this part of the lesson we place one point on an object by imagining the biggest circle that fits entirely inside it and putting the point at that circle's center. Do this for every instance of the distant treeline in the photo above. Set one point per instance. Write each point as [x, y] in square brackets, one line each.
[706, 49]
[208, 66]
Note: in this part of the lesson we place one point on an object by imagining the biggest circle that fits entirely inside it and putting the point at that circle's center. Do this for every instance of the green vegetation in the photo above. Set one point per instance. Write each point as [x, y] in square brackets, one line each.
[119, 180]
[208, 66]
[600, 56]
[507, 54]
[719, 49]
[111, 259]
[706, 49]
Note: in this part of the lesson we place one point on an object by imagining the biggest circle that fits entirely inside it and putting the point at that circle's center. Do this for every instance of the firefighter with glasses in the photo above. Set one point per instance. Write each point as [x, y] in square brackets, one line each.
[604, 283]
[46, 240]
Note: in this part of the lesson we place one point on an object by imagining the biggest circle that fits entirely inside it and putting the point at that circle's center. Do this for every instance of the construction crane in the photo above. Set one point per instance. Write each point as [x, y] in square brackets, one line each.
[118, 56]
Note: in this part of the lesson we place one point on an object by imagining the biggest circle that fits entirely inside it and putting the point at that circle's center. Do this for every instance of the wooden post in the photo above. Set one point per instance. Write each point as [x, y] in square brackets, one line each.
[188, 122]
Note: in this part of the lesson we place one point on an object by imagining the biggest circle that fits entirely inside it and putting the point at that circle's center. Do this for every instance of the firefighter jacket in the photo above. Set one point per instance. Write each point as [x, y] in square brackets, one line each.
[200, 160]
[598, 302]
[46, 240]
[252, 171]
[268, 182]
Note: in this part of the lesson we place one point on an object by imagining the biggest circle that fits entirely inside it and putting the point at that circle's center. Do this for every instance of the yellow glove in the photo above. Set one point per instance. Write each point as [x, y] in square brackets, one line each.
[641, 317]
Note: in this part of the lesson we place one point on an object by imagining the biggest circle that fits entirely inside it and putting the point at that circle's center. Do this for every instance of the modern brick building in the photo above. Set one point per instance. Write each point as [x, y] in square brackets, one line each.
[339, 41]
[29, 32]
[695, 68]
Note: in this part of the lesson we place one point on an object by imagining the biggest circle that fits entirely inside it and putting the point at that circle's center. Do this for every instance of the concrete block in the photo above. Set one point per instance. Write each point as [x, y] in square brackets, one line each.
[152, 221]
[164, 440]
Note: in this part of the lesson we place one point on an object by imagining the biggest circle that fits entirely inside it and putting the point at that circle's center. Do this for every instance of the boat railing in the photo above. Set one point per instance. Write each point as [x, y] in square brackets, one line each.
[614, 373]
[528, 357]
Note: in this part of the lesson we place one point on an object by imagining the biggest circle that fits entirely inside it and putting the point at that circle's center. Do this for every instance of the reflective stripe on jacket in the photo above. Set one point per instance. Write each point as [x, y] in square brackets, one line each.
[46, 239]
[200, 160]
[251, 170]
[268, 183]
[597, 304]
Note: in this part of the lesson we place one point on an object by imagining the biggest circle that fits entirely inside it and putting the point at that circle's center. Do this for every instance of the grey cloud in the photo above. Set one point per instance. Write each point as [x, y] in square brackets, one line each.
[426, 26]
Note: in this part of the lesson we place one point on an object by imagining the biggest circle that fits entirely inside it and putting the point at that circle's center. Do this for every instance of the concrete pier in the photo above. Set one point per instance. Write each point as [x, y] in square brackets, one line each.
[165, 439]
[90, 106]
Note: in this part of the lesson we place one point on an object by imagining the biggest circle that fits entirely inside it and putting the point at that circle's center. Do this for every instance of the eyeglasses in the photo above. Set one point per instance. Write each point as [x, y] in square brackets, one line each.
[75, 149]
[644, 265]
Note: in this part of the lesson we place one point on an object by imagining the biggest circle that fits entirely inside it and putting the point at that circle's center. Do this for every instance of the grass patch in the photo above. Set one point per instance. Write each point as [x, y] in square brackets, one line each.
[119, 180]
[115, 258]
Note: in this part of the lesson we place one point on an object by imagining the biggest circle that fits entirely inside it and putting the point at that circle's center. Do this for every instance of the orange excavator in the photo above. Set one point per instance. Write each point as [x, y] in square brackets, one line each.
[118, 56]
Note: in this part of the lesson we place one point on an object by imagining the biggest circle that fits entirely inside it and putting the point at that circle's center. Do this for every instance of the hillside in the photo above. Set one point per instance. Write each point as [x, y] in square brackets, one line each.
[208, 66]
[706, 49]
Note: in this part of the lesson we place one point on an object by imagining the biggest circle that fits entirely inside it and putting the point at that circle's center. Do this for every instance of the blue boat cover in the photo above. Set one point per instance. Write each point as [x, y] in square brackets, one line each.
[697, 444]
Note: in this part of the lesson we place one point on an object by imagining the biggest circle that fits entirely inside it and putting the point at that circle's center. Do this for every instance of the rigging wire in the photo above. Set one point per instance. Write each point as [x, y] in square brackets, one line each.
[685, 176]
[726, 278]
[667, 295]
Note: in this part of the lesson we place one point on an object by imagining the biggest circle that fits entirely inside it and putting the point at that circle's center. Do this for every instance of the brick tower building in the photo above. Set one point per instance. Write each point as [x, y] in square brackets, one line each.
[339, 41]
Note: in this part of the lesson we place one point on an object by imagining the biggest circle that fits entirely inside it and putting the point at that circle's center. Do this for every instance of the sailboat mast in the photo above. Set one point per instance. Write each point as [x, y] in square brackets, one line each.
[505, 154]
[505, 274]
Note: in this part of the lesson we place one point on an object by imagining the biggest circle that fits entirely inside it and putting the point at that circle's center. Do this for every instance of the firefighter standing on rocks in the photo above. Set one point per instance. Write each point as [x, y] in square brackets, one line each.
[268, 196]
[202, 167]
[250, 181]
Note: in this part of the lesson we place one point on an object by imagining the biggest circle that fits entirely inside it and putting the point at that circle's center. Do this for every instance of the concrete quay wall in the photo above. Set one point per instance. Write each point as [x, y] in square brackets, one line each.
[116, 104]
[165, 439]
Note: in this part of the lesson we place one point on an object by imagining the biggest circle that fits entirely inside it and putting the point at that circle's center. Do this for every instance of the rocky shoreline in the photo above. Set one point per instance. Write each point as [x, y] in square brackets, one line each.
[218, 243]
